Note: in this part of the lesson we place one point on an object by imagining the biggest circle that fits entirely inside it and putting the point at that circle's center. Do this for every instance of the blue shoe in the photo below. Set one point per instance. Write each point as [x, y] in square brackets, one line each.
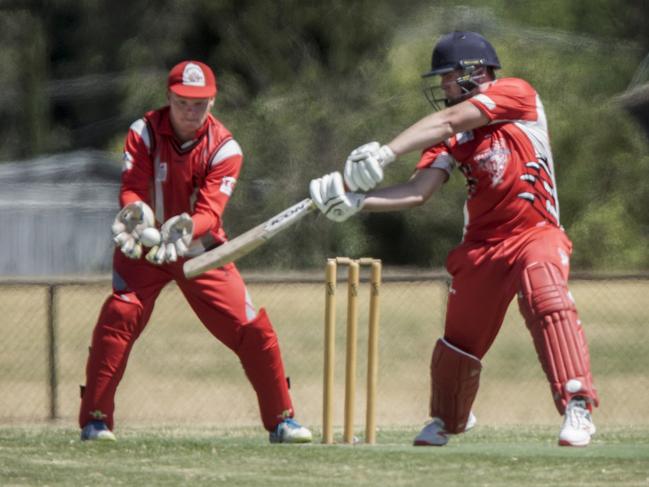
[290, 431]
[97, 430]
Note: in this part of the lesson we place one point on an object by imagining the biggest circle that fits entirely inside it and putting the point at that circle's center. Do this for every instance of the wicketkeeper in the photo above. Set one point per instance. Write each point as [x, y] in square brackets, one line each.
[495, 132]
[180, 168]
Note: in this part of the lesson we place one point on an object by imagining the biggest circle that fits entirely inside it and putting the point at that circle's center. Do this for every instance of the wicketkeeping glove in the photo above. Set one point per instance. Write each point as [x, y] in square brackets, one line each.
[364, 166]
[127, 226]
[176, 236]
[328, 193]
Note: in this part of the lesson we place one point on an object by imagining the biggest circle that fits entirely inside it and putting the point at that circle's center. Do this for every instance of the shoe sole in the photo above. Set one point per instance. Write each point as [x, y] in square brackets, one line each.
[425, 443]
[291, 441]
[578, 445]
[100, 438]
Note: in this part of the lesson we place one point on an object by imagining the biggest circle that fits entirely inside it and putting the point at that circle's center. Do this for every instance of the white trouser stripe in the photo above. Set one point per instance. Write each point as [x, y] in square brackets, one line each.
[251, 312]
[159, 195]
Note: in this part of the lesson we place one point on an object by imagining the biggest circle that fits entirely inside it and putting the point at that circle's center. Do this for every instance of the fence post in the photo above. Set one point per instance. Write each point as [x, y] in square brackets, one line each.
[52, 348]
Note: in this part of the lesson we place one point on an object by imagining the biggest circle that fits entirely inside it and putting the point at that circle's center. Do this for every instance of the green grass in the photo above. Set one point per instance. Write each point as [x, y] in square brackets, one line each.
[512, 456]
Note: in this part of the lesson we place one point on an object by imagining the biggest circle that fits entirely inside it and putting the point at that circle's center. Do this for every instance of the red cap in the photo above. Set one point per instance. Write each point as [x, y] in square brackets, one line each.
[192, 79]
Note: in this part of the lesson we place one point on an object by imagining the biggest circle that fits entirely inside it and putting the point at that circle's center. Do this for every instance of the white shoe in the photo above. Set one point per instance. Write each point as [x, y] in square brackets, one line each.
[290, 431]
[434, 434]
[470, 422]
[97, 430]
[578, 426]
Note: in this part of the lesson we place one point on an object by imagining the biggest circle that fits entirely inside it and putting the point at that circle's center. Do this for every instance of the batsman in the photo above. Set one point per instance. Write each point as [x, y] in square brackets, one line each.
[495, 132]
[180, 168]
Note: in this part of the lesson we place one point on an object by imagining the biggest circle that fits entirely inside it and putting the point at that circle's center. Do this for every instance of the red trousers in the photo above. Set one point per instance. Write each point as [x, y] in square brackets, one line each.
[220, 300]
[485, 280]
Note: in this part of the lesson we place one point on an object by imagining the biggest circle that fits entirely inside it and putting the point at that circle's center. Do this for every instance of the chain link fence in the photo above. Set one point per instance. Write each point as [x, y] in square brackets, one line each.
[179, 374]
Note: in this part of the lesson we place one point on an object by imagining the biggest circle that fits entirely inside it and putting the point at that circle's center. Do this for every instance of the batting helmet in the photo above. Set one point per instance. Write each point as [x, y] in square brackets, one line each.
[461, 50]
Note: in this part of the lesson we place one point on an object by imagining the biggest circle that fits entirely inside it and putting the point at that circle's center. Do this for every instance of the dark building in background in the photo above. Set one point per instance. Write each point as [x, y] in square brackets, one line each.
[56, 214]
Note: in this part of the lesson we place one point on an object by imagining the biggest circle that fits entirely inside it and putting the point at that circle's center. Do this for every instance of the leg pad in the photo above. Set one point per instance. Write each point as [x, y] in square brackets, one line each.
[551, 317]
[455, 378]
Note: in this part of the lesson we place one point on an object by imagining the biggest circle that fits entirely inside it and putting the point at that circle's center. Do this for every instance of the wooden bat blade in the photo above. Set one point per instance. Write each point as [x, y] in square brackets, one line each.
[247, 241]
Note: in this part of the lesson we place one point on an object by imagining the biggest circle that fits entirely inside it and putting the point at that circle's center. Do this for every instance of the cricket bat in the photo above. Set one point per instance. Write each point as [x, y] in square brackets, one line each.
[253, 238]
[247, 241]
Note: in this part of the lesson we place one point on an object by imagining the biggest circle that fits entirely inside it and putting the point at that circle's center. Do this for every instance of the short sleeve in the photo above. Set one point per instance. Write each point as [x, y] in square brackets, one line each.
[437, 157]
[507, 99]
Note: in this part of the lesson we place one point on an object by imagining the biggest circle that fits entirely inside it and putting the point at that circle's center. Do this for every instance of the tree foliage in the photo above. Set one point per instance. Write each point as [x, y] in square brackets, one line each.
[303, 83]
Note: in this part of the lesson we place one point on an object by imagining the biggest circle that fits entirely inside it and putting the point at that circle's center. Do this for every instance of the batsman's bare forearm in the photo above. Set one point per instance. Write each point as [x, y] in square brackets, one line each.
[423, 184]
[437, 127]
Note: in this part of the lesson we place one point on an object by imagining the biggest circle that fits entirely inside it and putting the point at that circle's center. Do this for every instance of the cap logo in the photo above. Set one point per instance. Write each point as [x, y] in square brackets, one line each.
[193, 75]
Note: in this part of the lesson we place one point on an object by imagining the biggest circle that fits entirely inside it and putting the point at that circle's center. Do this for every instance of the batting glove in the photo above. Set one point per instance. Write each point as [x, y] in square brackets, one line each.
[328, 193]
[176, 236]
[364, 166]
[128, 225]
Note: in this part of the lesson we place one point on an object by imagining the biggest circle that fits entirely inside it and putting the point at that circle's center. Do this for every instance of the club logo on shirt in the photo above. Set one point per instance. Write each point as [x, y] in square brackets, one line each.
[494, 161]
[227, 185]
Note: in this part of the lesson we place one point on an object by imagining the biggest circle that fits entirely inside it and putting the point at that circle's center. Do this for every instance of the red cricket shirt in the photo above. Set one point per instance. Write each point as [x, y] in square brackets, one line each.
[507, 164]
[196, 177]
